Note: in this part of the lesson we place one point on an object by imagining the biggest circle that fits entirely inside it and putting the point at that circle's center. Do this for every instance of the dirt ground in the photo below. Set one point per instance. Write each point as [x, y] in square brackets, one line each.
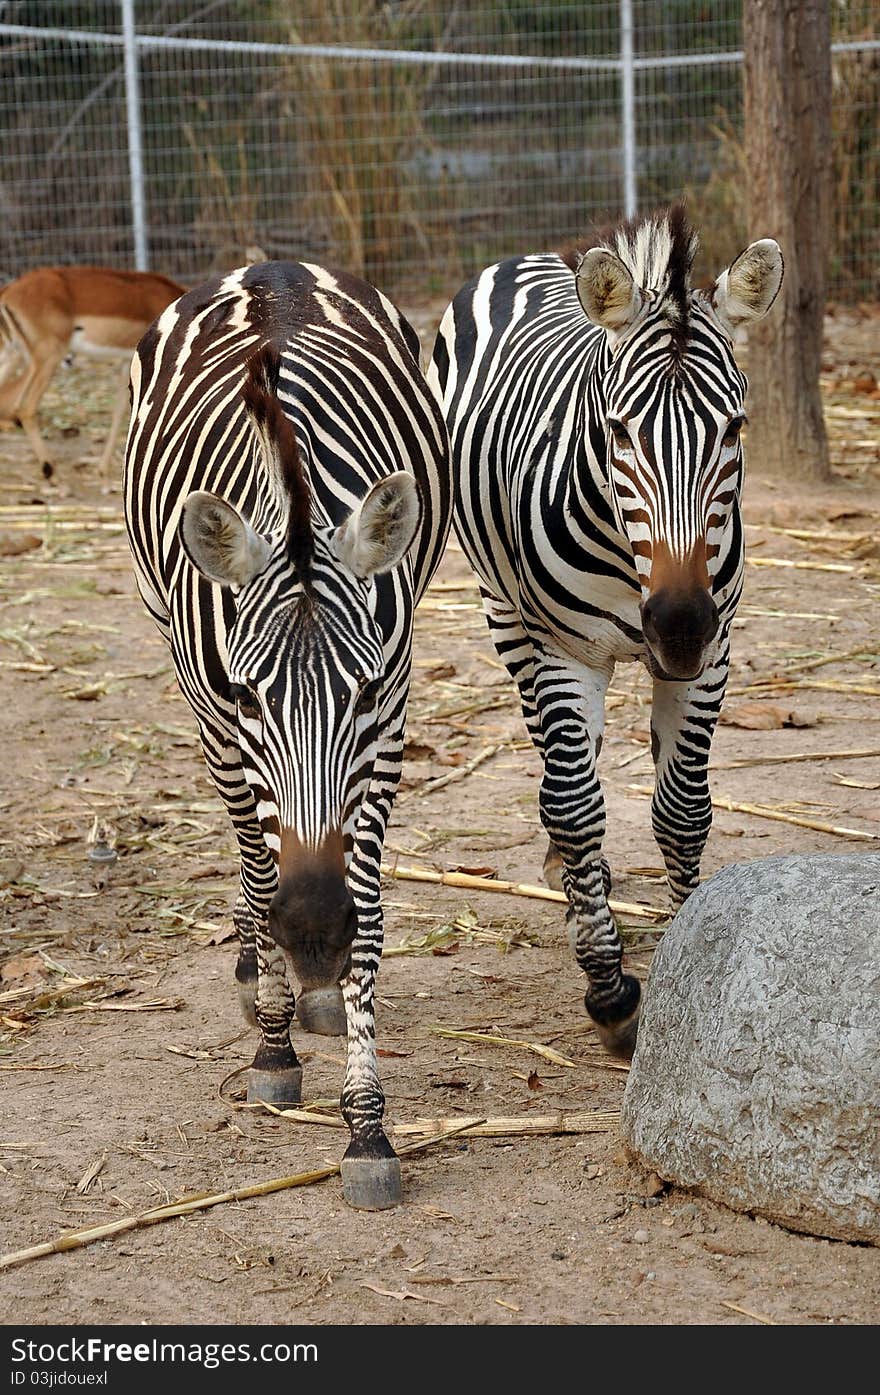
[118, 1017]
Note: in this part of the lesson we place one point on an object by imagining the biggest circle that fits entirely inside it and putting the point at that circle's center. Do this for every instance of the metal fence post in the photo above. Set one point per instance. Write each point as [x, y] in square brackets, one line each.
[628, 108]
[135, 148]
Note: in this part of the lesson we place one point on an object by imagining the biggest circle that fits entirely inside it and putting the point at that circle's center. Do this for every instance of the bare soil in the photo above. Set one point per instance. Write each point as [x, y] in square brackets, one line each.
[118, 1015]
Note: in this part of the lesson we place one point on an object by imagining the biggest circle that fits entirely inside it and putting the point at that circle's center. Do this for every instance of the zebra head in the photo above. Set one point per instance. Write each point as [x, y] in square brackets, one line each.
[306, 665]
[671, 399]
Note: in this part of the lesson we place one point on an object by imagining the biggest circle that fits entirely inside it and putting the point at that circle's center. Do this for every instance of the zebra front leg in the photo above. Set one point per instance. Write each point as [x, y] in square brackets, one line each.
[683, 719]
[570, 701]
[265, 995]
[370, 1168]
[515, 649]
[246, 964]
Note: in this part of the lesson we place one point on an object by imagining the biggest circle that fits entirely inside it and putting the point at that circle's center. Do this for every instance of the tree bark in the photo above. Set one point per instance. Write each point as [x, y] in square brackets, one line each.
[787, 75]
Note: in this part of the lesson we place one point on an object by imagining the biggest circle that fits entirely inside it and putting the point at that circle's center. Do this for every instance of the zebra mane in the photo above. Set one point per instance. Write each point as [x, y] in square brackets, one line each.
[658, 249]
[280, 453]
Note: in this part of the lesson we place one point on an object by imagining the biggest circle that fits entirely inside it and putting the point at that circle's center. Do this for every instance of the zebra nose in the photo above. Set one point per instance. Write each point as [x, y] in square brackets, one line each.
[317, 907]
[314, 920]
[667, 615]
[679, 625]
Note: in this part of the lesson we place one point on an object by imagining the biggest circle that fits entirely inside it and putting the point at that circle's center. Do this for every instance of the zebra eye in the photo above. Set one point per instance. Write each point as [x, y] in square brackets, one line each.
[247, 702]
[731, 435]
[368, 691]
[620, 434]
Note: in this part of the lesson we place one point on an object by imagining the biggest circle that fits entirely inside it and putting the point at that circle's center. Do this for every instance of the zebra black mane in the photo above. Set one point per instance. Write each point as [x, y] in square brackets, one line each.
[659, 249]
[281, 453]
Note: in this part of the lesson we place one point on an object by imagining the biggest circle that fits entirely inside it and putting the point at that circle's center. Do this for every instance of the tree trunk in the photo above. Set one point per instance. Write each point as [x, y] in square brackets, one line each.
[787, 74]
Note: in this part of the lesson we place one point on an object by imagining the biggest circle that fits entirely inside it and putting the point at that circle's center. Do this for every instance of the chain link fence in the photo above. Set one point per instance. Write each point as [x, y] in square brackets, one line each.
[411, 140]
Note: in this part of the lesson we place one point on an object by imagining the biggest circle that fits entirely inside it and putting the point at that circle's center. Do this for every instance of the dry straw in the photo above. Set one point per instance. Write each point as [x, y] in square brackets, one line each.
[466, 882]
[77, 1239]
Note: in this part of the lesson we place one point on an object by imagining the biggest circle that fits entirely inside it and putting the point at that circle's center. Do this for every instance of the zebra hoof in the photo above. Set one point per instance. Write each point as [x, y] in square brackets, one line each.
[322, 1010]
[278, 1087]
[552, 871]
[618, 1025]
[371, 1184]
[247, 997]
[619, 1038]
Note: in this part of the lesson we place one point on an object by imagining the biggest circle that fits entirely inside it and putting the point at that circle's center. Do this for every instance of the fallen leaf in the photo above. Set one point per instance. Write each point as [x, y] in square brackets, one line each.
[453, 758]
[534, 1081]
[436, 675]
[445, 947]
[474, 871]
[213, 934]
[762, 716]
[27, 967]
[419, 750]
[13, 544]
[865, 382]
[400, 1294]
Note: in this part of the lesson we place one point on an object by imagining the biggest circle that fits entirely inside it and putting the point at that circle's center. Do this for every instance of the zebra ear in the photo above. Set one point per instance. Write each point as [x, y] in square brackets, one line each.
[606, 290]
[382, 528]
[219, 542]
[749, 286]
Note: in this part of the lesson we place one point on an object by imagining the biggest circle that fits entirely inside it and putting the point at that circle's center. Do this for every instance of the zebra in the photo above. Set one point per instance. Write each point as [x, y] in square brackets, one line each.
[287, 499]
[595, 407]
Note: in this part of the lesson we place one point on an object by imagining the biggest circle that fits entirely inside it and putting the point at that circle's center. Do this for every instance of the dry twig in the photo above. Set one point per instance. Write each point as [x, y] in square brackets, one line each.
[540, 893]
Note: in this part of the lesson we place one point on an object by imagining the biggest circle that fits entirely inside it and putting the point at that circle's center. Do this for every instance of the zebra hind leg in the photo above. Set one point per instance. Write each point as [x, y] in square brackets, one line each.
[370, 1169]
[553, 865]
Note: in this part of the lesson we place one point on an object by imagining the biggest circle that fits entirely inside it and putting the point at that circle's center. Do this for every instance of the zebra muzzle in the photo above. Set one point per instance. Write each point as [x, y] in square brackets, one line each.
[678, 627]
[312, 916]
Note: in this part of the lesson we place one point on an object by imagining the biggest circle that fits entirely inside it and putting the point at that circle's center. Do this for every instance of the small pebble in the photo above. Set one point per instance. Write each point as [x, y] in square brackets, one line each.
[641, 1237]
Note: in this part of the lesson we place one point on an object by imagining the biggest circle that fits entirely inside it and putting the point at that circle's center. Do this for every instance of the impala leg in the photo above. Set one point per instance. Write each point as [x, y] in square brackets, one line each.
[683, 719]
[33, 385]
[120, 402]
[570, 700]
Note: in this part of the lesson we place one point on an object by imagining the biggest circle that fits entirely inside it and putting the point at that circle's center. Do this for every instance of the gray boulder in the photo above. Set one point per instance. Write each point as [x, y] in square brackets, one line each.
[756, 1076]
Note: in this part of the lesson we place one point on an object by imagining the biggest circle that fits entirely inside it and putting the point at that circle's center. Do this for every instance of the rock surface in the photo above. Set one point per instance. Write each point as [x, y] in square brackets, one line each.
[756, 1077]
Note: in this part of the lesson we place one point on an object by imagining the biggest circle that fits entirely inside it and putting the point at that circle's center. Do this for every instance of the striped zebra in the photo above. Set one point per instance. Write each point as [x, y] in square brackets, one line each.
[288, 498]
[594, 408]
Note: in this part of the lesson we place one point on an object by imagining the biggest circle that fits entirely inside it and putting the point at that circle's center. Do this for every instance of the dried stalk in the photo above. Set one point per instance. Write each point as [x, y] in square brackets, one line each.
[590, 1121]
[733, 806]
[429, 786]
[793, 757]
[800, 566]
[77, 1239]
[486, 1039]
[466, 882]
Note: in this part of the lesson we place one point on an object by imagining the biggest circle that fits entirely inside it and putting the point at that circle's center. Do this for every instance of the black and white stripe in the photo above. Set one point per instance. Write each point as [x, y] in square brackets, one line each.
[288, 498]
[594, 407]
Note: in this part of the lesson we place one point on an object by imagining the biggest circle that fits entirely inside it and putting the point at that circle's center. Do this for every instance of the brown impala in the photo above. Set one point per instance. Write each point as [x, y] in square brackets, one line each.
[54, 311]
